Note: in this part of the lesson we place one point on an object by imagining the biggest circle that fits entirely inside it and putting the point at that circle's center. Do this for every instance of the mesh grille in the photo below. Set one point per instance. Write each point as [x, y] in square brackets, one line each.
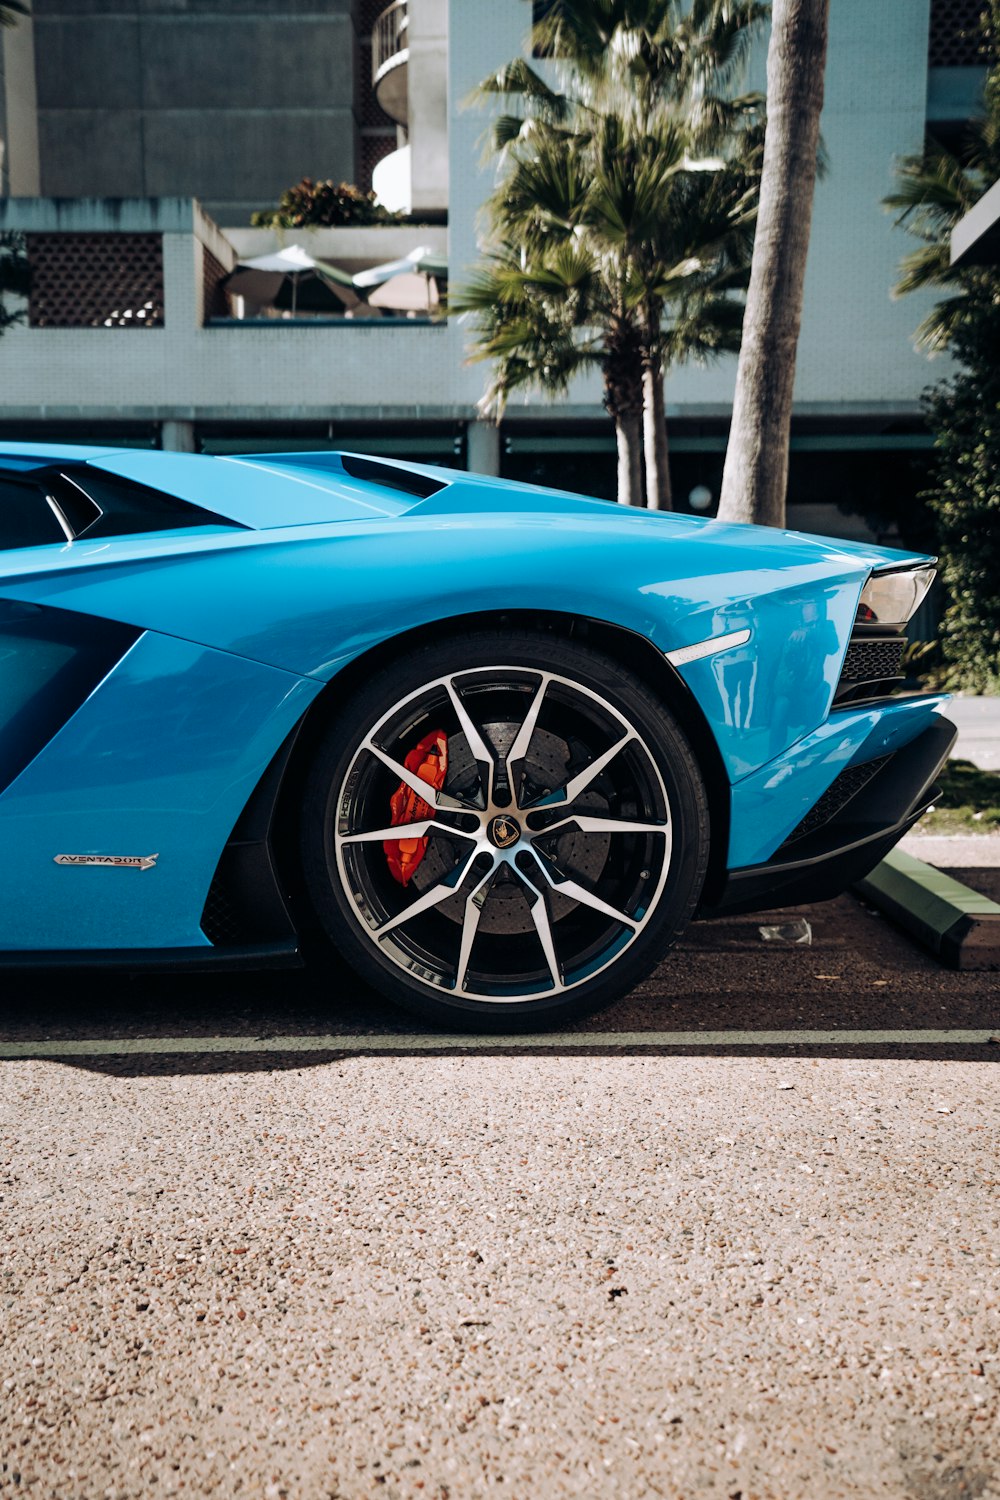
[95, 280]
[836, 797]
[221, 921]
[870, 667]
[955, 37]
[871, 661]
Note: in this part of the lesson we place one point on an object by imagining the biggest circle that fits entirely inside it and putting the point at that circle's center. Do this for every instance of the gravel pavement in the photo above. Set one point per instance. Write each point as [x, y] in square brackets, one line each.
[768, 1275]
[526, 1276]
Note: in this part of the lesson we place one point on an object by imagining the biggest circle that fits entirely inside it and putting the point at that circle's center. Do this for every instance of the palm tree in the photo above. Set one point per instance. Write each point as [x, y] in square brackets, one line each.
[755, 477]
[546, 310]
[614, 166]
[934, 190]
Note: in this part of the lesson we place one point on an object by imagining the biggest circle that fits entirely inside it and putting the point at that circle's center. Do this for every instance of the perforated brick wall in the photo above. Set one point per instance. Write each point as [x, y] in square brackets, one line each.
[95, 280]
[955, 40]
[376, 131]
[371, 150]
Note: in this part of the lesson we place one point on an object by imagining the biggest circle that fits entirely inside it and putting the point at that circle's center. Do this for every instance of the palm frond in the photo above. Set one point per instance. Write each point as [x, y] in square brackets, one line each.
[518, 78]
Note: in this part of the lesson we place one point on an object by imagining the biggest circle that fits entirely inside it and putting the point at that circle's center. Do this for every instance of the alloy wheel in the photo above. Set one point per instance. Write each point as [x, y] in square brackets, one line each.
[547, 846]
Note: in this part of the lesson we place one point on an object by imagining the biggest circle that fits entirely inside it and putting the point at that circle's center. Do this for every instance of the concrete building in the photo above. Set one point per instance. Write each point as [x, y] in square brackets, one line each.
[231, 101]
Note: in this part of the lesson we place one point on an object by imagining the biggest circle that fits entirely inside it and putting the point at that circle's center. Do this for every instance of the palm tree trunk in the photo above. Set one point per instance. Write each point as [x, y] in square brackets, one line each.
[659, 494]
[623, 402]
[628, 432]
[755, 478]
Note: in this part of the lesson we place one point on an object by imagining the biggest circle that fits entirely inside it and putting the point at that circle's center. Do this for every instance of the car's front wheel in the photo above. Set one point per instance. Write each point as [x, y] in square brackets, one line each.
[504, 829]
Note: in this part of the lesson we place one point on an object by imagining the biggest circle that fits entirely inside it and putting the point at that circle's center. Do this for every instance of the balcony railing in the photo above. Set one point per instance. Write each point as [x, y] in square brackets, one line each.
[390, 57]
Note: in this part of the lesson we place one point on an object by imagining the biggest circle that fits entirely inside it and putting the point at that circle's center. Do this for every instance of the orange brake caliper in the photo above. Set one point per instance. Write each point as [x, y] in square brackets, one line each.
[429, 760]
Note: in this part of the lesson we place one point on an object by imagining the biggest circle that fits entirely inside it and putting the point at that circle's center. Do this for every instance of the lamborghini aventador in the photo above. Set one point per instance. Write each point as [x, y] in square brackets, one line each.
[490, 746]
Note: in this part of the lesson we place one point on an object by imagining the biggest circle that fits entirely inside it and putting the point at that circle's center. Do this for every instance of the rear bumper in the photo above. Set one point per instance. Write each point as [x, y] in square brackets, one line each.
[822, 863]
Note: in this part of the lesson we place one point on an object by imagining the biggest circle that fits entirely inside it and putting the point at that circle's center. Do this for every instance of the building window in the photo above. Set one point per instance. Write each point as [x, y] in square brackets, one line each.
[955, 36]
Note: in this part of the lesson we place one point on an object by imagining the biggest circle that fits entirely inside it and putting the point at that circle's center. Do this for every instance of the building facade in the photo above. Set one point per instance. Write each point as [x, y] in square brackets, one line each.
[117, 115]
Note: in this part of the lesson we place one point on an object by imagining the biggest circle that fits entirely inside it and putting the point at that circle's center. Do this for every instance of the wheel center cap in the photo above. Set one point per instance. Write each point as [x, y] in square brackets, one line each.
[503, 831]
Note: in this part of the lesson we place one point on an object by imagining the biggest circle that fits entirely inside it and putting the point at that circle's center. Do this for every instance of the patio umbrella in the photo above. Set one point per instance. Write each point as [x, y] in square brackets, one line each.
[409, 284]
[294, 279]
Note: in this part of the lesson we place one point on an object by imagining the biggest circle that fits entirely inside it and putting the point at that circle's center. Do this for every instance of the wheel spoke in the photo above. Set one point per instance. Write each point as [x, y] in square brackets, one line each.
[481, 752]
[522, 738]
[580, 782]
[588, 824]
[402, 831]
[540, 917]
[431, 897]
[423, 789]
[577, 892]
[474, 904]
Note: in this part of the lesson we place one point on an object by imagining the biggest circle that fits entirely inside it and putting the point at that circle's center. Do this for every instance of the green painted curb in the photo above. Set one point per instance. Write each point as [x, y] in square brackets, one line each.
[960, 926]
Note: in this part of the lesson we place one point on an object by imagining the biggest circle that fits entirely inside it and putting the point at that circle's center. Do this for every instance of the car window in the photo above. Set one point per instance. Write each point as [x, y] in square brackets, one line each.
[62, 502]
[26, 519]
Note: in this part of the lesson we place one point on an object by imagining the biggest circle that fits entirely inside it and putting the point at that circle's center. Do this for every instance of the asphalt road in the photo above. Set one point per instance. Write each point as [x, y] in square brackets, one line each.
[594, 1265]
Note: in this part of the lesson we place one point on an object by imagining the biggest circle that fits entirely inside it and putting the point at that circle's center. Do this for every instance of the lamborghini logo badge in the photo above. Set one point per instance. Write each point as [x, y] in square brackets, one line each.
[503, 832]
[117, 861]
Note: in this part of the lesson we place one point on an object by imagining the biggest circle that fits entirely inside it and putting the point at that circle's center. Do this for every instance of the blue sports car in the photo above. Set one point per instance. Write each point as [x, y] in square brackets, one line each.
[495, 745]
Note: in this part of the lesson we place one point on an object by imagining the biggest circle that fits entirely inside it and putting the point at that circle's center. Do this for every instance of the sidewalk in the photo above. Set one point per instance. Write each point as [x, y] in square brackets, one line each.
[955, 851]
[978, 721]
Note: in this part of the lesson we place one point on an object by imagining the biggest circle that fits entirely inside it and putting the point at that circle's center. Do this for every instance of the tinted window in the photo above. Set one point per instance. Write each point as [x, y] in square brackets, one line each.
[25, 517]
[126, 507]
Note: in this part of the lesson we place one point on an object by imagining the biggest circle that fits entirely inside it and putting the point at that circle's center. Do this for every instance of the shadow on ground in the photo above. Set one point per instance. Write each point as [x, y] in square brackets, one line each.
[858, 974]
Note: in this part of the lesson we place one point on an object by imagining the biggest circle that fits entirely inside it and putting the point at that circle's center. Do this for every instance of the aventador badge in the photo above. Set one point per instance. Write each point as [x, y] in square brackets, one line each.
[119, 861]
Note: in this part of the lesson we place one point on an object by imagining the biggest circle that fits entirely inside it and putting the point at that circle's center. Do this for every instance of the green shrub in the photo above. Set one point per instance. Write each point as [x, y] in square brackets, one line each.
[323, 205]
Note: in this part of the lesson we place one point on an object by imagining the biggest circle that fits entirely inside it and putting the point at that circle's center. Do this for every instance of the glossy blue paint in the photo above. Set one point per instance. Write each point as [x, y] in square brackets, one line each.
[766, 807]
[48, 453]
[311, 599]
[160, 759]
[253, 493]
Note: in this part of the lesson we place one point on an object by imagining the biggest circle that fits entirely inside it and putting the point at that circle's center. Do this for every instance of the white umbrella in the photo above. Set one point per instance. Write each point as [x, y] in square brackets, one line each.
[407, 292]
[263, 279]
[409, 284]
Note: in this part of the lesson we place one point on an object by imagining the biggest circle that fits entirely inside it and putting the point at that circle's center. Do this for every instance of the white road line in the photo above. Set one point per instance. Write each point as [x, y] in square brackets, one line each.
[142, 1046]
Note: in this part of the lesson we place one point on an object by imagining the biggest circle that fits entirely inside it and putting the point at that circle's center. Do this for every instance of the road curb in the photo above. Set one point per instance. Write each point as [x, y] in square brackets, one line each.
[960, 926]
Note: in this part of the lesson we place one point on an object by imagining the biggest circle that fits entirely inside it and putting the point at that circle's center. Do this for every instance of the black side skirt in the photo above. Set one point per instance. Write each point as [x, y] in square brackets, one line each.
[192, 960]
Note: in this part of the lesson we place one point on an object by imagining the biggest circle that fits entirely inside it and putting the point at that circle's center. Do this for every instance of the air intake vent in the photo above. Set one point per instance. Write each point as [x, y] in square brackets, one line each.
[836, 797]
[389, 477]
[870, 667]
[50, 661]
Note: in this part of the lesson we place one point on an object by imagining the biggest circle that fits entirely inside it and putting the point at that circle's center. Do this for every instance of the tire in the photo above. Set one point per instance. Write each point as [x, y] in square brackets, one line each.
[565, 850]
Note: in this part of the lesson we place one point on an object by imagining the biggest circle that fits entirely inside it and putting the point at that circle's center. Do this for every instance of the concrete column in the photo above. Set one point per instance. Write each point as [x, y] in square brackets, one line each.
[177, 437]
[427, 122]
[22, 164]
[483, 447]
